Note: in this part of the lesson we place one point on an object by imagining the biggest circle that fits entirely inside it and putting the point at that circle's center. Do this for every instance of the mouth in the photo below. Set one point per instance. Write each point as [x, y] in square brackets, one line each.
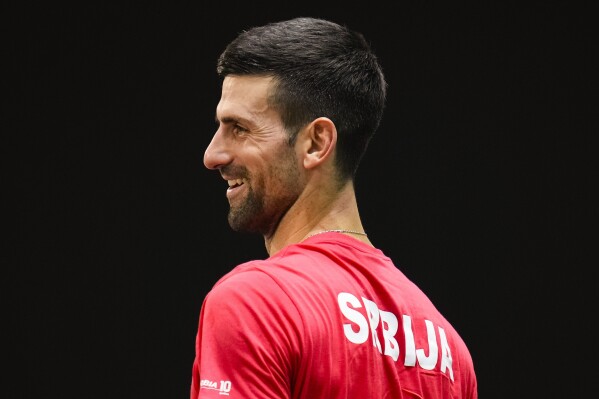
[235, 183]
[235, 187]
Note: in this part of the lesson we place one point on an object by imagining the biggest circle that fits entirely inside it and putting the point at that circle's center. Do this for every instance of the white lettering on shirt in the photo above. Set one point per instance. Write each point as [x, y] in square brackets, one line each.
[428, 362]
[223, 388]
[362, 325]
[357, 337]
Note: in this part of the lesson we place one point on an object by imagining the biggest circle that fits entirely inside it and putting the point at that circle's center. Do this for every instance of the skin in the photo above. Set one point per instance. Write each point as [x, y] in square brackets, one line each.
[287, 191]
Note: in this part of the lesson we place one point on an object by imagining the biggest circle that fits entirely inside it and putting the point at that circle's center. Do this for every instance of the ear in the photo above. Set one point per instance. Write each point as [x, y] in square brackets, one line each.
[319, 142]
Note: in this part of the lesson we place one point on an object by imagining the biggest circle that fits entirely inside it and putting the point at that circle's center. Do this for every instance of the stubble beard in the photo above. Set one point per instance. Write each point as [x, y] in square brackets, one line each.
[262, 209]
[242, 218]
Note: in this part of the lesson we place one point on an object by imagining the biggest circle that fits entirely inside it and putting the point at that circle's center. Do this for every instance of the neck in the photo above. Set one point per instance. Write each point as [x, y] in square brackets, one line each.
[316, 212]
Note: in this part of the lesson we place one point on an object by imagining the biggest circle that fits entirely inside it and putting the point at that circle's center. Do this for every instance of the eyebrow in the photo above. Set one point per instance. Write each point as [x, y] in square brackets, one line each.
[228, 120]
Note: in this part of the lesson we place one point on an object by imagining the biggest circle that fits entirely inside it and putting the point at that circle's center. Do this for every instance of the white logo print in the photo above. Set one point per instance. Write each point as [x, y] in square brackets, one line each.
[362, 325]
[223, 388]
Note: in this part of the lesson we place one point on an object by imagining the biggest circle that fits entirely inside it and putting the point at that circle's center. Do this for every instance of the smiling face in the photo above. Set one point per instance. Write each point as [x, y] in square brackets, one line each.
[251, 150]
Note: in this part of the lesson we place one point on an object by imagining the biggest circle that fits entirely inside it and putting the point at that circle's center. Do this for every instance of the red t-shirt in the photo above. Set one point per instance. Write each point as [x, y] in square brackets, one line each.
[330, 317]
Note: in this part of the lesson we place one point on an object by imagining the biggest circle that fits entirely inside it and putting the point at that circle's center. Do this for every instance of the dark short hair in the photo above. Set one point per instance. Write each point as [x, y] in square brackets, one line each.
[321, 69]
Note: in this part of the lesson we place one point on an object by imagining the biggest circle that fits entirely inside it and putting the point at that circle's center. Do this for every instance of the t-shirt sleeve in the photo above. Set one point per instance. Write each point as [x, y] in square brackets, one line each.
[247, 340]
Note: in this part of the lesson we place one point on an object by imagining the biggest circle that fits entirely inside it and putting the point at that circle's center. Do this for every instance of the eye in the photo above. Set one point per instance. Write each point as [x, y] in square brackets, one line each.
[239, 130]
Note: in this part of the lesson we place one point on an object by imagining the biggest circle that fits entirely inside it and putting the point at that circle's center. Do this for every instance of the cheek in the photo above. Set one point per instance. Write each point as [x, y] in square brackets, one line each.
[276, 174]
[284, 177]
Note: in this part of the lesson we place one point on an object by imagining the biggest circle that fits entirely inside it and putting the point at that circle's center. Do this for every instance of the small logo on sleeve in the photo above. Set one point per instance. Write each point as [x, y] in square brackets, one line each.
[223, 388]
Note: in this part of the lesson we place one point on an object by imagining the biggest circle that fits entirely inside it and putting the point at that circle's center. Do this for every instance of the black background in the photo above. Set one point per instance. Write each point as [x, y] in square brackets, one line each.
[474, 185]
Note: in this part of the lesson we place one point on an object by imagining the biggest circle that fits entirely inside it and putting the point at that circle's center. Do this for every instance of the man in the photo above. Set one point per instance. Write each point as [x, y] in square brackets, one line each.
[327, 315]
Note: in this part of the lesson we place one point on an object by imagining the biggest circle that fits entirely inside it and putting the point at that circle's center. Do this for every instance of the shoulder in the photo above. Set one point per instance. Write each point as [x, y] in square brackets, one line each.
[250, 299]
[266, 284]
[249, 284]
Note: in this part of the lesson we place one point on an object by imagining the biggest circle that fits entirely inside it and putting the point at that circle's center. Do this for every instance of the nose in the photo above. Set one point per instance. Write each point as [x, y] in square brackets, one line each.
[216, 154]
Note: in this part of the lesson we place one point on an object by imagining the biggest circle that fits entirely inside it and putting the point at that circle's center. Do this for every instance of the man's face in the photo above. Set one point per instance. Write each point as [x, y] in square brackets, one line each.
[250, 149]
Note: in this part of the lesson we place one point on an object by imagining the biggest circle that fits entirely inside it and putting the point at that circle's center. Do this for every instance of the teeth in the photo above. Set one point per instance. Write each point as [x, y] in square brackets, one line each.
[235, 182]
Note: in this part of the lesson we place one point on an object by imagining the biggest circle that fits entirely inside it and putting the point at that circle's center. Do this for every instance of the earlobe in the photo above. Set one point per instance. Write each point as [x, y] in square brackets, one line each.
[321, 139]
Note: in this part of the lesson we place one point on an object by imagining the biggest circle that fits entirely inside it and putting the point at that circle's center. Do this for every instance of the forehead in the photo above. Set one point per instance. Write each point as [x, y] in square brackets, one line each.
[244, 97]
